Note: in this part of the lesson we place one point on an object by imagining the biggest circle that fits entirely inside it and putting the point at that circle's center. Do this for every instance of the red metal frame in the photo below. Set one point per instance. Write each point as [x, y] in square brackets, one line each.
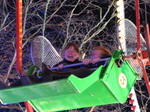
[147, 36]
[19, 43]
[19, 35]
[138, 25]
[139, 46]
[28, 107]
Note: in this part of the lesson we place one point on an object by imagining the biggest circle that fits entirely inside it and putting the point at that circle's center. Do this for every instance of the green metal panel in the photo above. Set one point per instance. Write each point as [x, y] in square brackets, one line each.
[90, 97]
[47, 89]
[104, 86]
[36, 91]
[111, 86]
[119, 80]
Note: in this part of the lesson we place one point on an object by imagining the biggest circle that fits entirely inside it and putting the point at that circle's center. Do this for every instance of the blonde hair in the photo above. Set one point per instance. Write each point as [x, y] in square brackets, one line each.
[106, 51]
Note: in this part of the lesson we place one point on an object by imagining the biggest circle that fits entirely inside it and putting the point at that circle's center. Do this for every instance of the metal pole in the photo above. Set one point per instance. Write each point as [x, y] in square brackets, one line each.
[19, 43]
[19, 35]
[138, 25]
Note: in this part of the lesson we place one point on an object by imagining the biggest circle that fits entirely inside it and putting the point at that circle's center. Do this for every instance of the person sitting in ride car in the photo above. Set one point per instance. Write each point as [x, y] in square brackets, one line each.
[98, 53]
[70, 55]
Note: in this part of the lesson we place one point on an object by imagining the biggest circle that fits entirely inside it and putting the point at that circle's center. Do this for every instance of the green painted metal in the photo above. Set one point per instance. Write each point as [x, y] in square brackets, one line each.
[106, 85]
[32, 69]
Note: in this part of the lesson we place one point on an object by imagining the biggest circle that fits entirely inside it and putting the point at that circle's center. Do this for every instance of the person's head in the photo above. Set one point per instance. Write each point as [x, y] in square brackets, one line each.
[100, 51]
[71, 52]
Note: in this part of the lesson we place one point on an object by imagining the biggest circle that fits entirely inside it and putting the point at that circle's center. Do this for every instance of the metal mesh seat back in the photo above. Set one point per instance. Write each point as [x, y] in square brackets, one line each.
[131, 46]
[43, 51]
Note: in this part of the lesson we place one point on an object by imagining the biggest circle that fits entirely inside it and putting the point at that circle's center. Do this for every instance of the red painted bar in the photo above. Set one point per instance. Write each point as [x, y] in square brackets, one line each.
[147, 36]
[28, 107]
[19, 44]
[19, 35]
[138, 25]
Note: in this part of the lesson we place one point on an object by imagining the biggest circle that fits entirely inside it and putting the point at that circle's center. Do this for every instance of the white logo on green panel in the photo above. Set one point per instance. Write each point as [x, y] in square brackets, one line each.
[122, 80]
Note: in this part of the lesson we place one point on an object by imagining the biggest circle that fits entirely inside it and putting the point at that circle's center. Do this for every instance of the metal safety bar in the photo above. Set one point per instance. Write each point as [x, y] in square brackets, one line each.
[79, 64]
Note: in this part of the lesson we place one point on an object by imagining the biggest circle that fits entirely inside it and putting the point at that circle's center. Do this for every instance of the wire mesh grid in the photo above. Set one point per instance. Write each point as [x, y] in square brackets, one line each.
[43, 51]
[131, 46]
[136, 66]
[131, 38]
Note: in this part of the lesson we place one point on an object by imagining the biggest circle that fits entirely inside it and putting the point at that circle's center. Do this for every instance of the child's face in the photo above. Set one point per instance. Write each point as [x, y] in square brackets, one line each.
[97, 53]
[71, 54]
